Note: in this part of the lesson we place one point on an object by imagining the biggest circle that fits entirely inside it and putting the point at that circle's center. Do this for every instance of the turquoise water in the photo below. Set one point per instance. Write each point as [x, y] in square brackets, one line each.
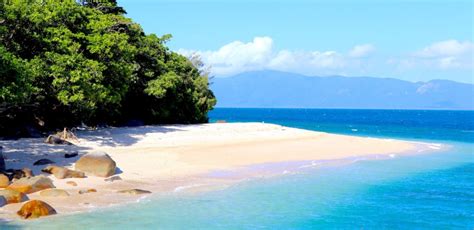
[431, 191]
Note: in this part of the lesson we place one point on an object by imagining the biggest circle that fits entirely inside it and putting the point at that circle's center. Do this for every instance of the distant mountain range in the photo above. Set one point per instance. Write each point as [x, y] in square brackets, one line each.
[273, 89]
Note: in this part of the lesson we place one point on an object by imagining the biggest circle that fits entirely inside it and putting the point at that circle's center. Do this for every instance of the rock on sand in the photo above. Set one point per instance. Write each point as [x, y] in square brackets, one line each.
[4, 181]
[32, 184]
[61, 172]
[12, 196]
[54, 192]
[34, 209]
[97, 163]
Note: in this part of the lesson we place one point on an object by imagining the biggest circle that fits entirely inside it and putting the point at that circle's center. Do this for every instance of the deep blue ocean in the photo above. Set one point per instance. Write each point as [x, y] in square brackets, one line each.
[428, 191]
[404, 124]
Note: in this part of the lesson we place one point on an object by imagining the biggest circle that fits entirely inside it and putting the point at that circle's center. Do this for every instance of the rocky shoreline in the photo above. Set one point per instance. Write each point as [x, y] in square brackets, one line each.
[17, 184]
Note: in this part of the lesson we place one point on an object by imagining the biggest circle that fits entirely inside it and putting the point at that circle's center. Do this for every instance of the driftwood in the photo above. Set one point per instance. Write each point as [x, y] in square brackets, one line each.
[67, 135]
[64, 137]
[55, 140]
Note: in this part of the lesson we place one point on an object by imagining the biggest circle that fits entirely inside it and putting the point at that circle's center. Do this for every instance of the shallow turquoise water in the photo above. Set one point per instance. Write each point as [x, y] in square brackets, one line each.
[434, 191]
[429, 191]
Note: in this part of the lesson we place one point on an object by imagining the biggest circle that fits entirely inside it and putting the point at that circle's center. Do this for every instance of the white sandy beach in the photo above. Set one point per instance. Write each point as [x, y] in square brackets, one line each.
[168, 158]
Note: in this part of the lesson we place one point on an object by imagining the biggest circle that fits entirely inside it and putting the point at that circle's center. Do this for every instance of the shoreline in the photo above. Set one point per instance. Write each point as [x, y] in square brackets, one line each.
[168, 159]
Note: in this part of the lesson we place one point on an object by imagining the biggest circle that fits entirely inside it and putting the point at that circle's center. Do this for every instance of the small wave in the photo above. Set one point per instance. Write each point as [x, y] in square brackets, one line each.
[389, 139]
[184, 187]
[140, 199]
[313, 164]
[89, 205]
[354, 130]
[355, 160]
[392, 155]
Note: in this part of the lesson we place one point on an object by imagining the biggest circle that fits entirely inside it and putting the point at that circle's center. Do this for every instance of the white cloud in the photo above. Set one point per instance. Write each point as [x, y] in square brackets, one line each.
[315, 62]
[236, 56]
[258, 54]
[446, 48]
[449, 62]
[449, 54]
[361, 51]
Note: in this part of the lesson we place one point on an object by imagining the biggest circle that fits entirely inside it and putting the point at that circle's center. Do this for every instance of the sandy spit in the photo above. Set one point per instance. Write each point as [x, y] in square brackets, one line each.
[173, 158]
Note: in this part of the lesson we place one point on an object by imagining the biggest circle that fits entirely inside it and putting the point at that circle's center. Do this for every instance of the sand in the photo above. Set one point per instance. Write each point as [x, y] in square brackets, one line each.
[174, 158]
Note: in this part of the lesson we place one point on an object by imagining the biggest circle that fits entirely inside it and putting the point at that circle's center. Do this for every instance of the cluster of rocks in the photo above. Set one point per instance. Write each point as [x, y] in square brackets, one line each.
[17, 184]
[17, 192]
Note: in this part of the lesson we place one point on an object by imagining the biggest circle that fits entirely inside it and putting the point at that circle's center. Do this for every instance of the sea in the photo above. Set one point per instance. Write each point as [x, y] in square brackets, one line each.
[419, 191]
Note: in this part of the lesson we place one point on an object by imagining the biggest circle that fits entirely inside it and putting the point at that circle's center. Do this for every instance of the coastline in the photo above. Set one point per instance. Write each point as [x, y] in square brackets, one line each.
[173, 158]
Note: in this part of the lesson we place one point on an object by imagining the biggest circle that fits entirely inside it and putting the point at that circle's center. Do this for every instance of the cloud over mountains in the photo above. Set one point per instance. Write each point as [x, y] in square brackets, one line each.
[259, 54]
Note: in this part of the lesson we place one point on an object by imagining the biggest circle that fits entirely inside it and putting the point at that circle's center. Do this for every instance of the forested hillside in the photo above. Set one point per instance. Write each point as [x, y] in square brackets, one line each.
[66, 63]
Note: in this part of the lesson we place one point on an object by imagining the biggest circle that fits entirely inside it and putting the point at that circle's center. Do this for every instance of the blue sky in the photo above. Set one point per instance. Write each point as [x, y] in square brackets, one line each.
[410, 40]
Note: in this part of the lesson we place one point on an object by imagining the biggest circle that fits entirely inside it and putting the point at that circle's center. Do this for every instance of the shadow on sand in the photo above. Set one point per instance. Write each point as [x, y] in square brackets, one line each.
[123, 136]
[24, 152]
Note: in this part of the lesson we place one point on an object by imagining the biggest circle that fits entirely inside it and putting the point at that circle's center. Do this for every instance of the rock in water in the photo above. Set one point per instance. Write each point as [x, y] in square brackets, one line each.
[34, 209]
[97, 163]
[43, 162]
[61, 172]
[55, 140]
[4, 181]
[31, 185]
[12, 196]
[134, 191]
[54, 192]
[2, 160]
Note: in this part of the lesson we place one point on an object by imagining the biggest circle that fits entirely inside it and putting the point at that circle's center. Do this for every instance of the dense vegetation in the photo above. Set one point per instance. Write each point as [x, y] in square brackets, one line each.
[66, 63]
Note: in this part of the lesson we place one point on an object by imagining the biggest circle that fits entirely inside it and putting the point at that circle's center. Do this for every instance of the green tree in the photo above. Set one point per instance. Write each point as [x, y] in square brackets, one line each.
[68, 62]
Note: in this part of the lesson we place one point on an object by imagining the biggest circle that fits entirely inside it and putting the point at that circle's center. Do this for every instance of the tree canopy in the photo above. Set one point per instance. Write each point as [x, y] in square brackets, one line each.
[64, 63]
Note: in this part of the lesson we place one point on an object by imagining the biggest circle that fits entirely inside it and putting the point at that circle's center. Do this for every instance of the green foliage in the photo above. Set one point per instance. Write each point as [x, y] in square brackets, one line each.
[15, 83]
[69, 62]
[158, 87]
